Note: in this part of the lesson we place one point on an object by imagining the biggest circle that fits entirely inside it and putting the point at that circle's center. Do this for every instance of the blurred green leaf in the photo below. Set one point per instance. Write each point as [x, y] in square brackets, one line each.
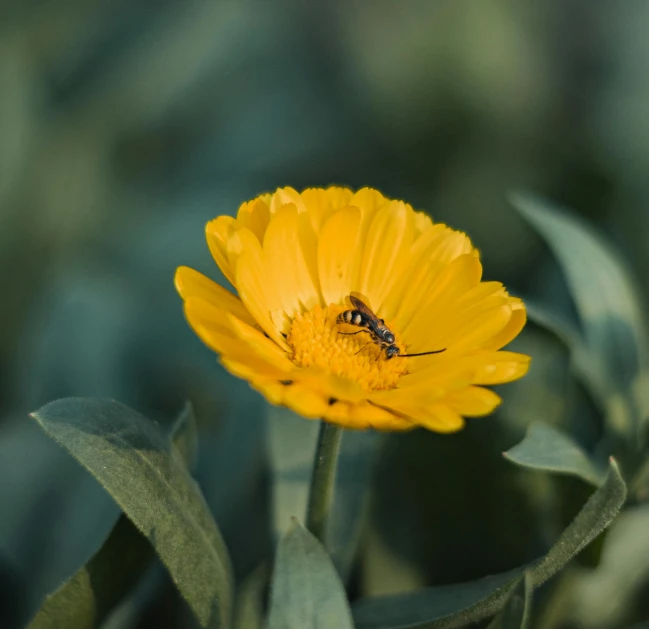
[556, 322]
[450, 606]
[249, 605]
[306, 592]
[606, 297]
[516, 612]
[292, 448]
[546, 448]
[85, 599]
[131, 458]
[184, 434]
[293, 441]
[608, 595]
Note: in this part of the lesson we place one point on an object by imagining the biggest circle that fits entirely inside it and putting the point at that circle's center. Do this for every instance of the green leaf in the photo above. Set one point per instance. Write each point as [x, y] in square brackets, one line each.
[606, 297]
[555, 321]
[516, 612]
[292, 448]
[184, 434]
[457, 605]
[249, 607]
[306, 591]
[546, 448]
[85, 600]
[570, 334]
[147, 477]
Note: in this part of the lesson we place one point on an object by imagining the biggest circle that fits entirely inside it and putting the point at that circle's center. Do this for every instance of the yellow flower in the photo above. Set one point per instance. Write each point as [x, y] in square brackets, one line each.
[294, 259]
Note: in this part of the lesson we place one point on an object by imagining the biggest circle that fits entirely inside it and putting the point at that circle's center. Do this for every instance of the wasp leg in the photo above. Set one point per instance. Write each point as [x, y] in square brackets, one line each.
[352, 333]
[362, 348]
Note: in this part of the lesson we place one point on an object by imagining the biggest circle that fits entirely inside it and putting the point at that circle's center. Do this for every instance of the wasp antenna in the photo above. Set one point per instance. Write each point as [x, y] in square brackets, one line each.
[436, 351]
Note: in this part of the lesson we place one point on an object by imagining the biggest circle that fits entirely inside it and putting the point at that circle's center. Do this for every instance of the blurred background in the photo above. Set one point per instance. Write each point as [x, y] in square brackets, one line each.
[126, 126]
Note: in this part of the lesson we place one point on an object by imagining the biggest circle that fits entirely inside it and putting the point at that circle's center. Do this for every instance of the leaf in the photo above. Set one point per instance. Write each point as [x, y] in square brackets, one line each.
[555, 321]
[306, 591]
[292, 446]
[546, 448]
[604, 596]
[85, 599]
[450, 606]
[184, 435]
[249, 608]
[516, 612]
[614, 326]
[131, 458]
[570, 334]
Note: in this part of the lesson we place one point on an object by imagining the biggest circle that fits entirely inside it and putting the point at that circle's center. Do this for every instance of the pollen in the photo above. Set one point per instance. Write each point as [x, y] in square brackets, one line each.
[318, 340]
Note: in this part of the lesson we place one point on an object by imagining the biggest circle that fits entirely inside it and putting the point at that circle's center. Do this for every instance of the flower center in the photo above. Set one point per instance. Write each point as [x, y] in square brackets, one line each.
[319, 341]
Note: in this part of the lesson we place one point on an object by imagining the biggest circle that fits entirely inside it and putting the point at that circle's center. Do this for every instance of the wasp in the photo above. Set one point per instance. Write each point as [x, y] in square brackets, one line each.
[363, 316]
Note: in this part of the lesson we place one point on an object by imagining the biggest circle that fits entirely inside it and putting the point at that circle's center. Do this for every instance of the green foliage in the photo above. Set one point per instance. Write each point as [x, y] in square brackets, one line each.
[126, 126]
[90, 594]
[455, 605]
[546, 448]
[306, 590]
[86, 598]
[615, 356]
[292, 448]
[249, 612]
[146, 475]
[184, 436]
[516, 612]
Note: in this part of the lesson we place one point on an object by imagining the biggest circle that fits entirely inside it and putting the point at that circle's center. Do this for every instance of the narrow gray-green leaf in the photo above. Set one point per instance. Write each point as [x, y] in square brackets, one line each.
[607, 300]
[546, 448]
[595, 516]
[306, 590]
[134, 462]
[516, 612]
[452, 606]
[292, 449]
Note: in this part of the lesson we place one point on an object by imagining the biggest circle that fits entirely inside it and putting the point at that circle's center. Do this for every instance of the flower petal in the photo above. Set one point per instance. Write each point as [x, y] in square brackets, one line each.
[232, 337]
[217, 233]
[499, 367]
[336, 248]
[290, 253]
[191, 283]
[385, 251]
[473, 401]
[438, 416]
[321, 203]
[286, 196]
[437, 297]
[480, 367]
[257, 292]
[513, 327]
[305, 401]
[255, 215]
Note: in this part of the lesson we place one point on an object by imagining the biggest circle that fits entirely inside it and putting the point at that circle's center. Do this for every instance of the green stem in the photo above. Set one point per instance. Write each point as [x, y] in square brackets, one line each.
[321, 493]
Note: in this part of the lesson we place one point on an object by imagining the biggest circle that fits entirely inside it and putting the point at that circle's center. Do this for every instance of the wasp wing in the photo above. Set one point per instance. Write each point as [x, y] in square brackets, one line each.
[362, 304]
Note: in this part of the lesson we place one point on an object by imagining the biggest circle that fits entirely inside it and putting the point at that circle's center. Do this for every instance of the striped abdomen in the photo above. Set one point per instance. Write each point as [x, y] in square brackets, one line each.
[354, 317]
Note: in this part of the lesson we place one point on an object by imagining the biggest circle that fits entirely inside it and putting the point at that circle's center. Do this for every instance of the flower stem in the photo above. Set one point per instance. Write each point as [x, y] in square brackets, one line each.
[321, 492]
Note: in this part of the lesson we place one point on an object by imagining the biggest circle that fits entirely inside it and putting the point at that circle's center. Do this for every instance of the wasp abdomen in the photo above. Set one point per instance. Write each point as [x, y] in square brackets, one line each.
[353, 317]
